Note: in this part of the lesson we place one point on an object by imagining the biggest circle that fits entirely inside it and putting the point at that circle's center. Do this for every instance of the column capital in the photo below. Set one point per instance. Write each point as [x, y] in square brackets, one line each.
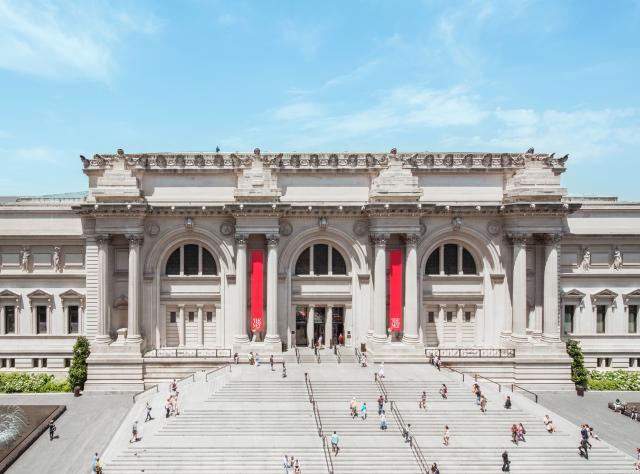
[379, 240]
[459, 306]
[134, 239]
[441, 307]
[272, 239]
[411, 240]
[241, 239]
[103, 239]
[552, 239]
[181, 306]
[200, 306]
[518, 238]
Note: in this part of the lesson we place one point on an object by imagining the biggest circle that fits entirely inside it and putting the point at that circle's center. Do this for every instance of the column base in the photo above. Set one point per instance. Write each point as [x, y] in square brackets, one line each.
[519, 338]
[102, 339]
[379, 339]
[410, 339]
[551, 339]
[241, 339]
[272, 339]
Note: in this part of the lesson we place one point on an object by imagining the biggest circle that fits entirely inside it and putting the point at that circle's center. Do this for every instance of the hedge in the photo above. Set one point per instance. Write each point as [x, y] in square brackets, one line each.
[614, 380]
[22, 382]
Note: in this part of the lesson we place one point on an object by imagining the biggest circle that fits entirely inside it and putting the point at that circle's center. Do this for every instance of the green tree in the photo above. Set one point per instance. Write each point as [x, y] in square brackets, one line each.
[579, 374]
[78, 369]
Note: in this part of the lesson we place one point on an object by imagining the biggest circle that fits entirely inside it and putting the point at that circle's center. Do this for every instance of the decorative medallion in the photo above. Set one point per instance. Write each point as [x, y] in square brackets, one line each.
[361, 227]
[423, 228]
[152, 229]
[286, 229]
[227, 228]
[493, 227]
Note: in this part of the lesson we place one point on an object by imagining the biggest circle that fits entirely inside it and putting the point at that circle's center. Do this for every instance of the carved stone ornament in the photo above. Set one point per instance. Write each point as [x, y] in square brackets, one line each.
[360, 227]
[423, 228]
[152, 229]
[493, 228]
[241, 239]
[188, 223]
[273, 240]
[617, 259]
[25, 256]
[322, 223]
[227, 228]
[286, 229]
[411, 239]
[585, 264]
[134, 240]
[57, 259]
[456, 222]
[379, 240]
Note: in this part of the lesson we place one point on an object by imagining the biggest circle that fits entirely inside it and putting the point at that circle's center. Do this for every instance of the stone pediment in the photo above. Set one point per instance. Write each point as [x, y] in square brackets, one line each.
[258, 182]
[40, 295]
[573, 294]
[634, 295]
[8, 294]
[604, 295]
[116, 182]
[71, 295]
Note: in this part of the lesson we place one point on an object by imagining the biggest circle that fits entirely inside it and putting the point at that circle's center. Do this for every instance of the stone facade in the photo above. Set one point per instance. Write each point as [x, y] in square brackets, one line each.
[160, 253]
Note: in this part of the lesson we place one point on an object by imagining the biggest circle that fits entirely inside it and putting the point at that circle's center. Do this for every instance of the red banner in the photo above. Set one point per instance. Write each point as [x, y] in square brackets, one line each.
[395, 290]
[257, 263]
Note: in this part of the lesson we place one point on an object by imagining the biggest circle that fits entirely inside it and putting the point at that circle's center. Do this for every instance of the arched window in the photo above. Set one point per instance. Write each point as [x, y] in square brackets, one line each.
[191, 259]
[321, 259]
[451, 259]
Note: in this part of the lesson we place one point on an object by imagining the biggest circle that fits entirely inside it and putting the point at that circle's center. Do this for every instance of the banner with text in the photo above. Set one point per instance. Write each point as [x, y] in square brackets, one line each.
[395, 290]
[257, 264]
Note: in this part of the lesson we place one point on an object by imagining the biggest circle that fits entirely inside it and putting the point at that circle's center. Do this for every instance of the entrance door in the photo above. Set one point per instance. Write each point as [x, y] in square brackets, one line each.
[337, 324]
[319, 315]
[301, 325]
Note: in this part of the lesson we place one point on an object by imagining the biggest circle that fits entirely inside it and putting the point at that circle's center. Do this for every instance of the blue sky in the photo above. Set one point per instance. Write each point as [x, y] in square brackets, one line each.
[87, 77]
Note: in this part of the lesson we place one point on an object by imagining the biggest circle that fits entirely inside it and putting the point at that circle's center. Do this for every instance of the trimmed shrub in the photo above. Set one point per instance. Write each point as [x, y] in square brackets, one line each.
[23, 382]
[78, 369]
[579, 374]
[614, 380]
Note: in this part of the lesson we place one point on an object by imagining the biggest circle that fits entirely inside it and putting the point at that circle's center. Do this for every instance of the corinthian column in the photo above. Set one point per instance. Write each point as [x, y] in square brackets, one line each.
[133, 326]
[550, 328]
[272, 289]
[411, 290]
[241, 287]
[519, 289]
[380, 288]
[102, 336]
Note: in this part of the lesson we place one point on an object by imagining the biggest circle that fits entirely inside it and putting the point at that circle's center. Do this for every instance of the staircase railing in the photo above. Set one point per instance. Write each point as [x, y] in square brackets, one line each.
[358, 355]
[413, 444]
[316, 415]
[476, 377]
[307, 382]
[327, 454]
[515, 385]
[318, 357]
[337, 352]
[297, 354]
[212, 371]
[381, 386]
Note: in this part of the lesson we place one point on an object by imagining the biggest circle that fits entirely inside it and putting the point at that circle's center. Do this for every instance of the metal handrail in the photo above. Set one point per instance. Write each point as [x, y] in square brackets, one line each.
[476, 376]
[338, 357]
[297, 354]
[525, 390]
[381, 386]
[136, 395]
[454, 370]
[307, 382]
[358, 355]
[318, 357]
[206, 375]
[316, 414]
[413, 444]
[327, 454]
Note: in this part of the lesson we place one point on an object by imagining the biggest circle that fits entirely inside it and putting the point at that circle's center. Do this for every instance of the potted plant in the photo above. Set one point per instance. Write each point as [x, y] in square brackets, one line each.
[579, 374]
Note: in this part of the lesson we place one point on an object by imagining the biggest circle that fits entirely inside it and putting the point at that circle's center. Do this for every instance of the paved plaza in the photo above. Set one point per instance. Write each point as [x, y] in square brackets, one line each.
[246, 420]
[87, 426]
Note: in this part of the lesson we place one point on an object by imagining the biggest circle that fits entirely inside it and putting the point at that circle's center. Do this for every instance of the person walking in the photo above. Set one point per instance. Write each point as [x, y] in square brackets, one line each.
[286, 464]
[383, 421]
[446, 436]
[236, 358]
[521, 432]
[506, 464]
[134, 432]
[434, 469]
[297, 469]
[423, 401]
[340, 339]
[444, 391]
[584, 434]
[363, 410]
[380, 404]
[271, 362]
[94, 463]
[507, 403]
[514, 434]
[438, 363]
[583, 450]
[335, 439]
[408, 436]
[52, 430]
[381, 371]
[592, 433]
[148, 408]
[483, 404]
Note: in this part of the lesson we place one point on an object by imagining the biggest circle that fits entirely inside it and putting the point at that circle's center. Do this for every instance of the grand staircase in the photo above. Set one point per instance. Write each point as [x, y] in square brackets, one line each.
[247, 420]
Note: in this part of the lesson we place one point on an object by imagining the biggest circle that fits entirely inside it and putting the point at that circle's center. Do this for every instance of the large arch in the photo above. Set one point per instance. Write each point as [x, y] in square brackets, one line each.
[349, 248]
[483, 251]
[176, 237]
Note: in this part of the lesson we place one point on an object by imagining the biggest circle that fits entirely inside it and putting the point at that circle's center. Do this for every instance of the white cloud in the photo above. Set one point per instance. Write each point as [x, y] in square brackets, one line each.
[65, 39]
[32, 154]
[297, 111]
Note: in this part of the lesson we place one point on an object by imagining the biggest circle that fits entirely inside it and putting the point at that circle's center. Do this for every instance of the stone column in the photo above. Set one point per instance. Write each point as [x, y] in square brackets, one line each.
[459, 320]
[410, 335]
[181, 325]
[241, 289]
[133, 326]
[2, 321]
[519, 288]
[440, 325]
[328, 325]
[102, 335]
[200, 327]
[310, 318]
[380, 288]
[550, 328]
[272, 290]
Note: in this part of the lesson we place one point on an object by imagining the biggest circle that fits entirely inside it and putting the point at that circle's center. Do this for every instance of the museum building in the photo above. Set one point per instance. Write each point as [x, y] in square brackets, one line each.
[173, 261]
